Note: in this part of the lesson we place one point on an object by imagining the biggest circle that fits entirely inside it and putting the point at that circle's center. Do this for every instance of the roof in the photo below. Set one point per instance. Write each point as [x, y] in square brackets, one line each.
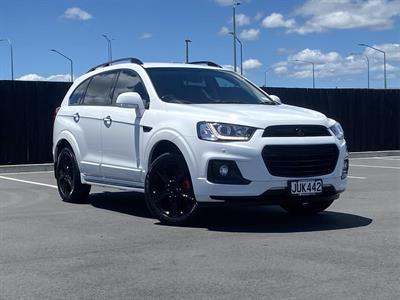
[126, 62]
[176, 65]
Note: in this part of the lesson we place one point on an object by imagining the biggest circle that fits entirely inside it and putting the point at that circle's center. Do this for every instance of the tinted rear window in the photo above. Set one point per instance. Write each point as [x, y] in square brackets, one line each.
[99, 89]
[79, 93]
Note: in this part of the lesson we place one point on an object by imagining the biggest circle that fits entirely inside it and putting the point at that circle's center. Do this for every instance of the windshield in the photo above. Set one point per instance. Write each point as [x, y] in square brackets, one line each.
[198, 86]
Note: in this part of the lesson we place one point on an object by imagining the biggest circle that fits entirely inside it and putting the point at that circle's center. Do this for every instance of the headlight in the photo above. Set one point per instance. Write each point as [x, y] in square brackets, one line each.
[337, 130]
[210, 131]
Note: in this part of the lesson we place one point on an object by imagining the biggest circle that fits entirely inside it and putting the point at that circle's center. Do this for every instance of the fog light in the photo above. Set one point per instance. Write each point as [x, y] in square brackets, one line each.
[345, 170]
[223, 170]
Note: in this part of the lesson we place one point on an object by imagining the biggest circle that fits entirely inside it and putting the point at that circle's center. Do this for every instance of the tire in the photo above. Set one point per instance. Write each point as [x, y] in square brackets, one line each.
[306, 208]
[68, 178]
[169, 192]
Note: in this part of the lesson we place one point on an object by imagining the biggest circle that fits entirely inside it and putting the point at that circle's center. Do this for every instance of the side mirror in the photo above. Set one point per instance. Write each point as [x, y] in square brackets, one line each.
[131, 100]
[275, 98]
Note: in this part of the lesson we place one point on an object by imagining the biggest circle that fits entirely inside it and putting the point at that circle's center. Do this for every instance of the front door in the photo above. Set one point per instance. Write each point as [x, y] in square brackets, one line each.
[121, 134]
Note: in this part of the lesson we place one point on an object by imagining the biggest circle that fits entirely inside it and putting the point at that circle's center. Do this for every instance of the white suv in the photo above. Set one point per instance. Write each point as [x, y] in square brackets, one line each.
[189, 134]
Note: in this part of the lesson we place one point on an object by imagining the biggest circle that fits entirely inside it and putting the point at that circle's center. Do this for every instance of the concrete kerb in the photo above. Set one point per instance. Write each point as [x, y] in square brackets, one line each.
[26, 168]
[374, 153]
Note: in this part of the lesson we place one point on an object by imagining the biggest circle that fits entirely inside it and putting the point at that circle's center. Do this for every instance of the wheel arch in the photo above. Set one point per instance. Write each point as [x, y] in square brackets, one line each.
[66, 139]
[170, 141]
[162, 147]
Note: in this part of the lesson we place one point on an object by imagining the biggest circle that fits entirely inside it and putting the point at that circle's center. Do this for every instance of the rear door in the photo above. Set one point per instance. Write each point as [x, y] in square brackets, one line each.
[121, 134]
[89, 117]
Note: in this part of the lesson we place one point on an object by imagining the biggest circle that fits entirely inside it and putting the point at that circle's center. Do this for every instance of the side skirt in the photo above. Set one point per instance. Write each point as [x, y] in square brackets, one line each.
[122, 185]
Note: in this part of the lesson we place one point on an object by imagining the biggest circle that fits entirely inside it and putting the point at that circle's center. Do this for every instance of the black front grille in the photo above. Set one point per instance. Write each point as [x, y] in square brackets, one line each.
[300, 160]
[295, 130]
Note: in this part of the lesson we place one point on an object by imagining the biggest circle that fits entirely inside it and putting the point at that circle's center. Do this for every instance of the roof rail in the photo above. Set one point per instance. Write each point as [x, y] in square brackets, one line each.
[207, 63]
[109, 63]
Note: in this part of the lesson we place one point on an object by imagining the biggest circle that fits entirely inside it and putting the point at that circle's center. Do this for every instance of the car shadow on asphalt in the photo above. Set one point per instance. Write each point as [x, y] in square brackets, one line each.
[267, 219]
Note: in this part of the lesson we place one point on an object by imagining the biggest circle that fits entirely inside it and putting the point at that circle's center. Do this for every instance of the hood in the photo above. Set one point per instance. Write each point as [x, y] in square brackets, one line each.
[255, 115]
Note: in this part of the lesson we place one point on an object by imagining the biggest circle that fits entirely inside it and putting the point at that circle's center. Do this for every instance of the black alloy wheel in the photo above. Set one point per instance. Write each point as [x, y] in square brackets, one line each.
[69, 183]
[169, 191]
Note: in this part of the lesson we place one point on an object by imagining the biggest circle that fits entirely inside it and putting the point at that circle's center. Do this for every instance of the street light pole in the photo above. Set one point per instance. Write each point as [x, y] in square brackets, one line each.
[265, 76]
[367, 60]
[313, 75]
[109, 46]
[241, 52]
[241, 56]
[187, 41]
[71, 63]
[313, 70]
[384, 61]
[235, 3]
[366, 57]
[11, 56]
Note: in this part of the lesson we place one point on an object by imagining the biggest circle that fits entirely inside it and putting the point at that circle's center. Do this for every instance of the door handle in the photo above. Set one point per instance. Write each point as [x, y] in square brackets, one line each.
[107, 121]
[76, 117]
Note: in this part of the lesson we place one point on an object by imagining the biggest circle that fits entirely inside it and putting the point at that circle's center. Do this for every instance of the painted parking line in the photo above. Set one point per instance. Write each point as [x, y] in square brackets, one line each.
[356, 177]
[377, 157]
[28, 182]
[378, 167]
[387, 158]
[22, 173]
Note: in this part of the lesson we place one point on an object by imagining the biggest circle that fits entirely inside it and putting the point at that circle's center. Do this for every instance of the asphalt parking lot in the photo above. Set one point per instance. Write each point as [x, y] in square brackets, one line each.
[111, 248]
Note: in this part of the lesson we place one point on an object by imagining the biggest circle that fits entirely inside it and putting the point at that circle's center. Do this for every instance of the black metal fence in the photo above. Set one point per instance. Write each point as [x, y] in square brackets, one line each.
[27, 112]
[371, 118]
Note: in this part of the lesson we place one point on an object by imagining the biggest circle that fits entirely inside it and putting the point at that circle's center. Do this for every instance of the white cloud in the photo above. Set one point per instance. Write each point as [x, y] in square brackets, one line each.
[275, 20]
[229, 2]
[316, 56]
[258, 16]
[251, 64]
[392, 52]
[224, 30]
[224, 2]
[31, 77]
[77, 13]
[282, 51]
[333, 65]
[250, 34]
[36, 77]
[242, 19]
[59, 77]
[228, 67]
[281, 70]
[323, 15]
[146, 35]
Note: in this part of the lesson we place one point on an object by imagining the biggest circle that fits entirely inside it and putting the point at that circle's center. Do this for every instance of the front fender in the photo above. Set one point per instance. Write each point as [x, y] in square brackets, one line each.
[180, 142]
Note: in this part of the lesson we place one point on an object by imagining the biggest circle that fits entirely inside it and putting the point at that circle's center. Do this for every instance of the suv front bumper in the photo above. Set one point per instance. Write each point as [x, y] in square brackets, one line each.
[262, 186]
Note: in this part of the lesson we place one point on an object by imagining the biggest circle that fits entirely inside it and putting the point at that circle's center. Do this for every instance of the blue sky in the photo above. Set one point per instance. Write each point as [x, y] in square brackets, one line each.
[274, 34]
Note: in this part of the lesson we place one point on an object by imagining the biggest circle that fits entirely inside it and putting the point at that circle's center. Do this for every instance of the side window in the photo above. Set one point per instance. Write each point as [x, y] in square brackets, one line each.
[196, 82]
[99, 89]
[224, 83]
[129, 81]
[79, 93]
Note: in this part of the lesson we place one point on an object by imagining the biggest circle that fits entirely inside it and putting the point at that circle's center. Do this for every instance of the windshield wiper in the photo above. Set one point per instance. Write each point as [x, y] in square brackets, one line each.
[229, 102]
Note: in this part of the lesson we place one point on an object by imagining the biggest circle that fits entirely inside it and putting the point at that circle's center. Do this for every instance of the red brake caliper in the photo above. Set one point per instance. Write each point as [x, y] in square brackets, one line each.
[186, 184]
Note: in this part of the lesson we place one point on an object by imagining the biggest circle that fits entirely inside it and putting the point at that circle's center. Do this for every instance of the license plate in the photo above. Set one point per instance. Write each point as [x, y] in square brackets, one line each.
[305, 187]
